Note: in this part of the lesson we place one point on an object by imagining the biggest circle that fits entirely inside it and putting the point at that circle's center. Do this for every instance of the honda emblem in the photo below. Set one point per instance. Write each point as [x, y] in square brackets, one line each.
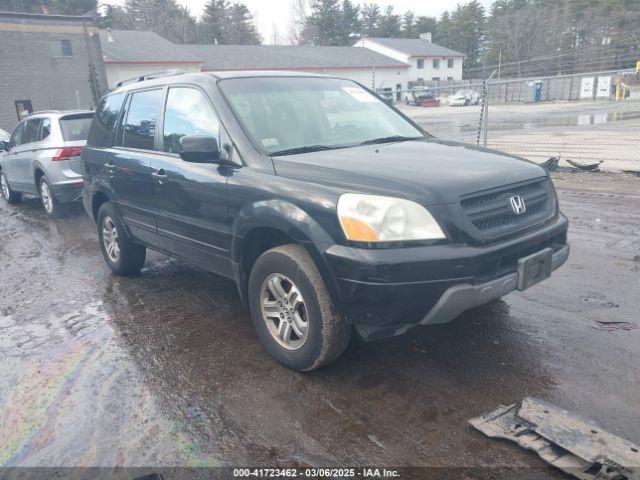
[517, 204]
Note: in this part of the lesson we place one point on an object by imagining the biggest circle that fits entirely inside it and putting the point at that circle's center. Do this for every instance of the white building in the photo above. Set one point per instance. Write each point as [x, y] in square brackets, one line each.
[427, 61]
[130, 53]
[392, 64]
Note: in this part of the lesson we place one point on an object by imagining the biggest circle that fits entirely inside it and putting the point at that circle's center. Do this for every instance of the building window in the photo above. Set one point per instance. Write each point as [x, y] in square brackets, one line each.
[437, 79]
[67, 51]
[449, 78]
[436, 63]
[420, 63]
[449, 62]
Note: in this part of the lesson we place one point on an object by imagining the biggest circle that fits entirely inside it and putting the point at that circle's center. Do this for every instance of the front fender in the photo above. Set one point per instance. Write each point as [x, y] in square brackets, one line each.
[289, 219]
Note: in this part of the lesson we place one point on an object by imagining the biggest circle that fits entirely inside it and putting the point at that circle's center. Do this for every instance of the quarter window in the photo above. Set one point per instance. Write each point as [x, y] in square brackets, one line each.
[142, 117]
[188, 112]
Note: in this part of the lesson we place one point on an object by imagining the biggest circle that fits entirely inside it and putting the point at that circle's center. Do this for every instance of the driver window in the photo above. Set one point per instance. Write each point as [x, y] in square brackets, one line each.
[16, 138]
[188, 112]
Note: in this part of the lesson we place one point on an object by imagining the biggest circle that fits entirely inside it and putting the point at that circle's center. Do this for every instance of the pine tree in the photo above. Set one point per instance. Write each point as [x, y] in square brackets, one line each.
[241, 30]
[426, 25]
[409, 25]
[349, 22]
[325, 15]
[390, 24]
[213, 27]
[371, 18]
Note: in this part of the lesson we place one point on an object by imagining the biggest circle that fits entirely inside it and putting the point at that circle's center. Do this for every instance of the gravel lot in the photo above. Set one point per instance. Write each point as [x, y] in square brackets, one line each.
[164, 368]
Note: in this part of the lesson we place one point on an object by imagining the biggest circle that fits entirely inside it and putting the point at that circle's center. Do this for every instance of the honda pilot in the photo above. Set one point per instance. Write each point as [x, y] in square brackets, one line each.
[331, 211]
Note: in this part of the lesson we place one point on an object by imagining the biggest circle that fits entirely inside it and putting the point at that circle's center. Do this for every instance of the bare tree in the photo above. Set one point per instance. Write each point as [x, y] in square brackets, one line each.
[297, 22]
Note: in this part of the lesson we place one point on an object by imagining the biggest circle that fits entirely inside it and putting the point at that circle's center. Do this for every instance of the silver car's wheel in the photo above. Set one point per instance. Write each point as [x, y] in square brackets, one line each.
[5, 186]
[284, 311]
[46, 197]
[110, 239]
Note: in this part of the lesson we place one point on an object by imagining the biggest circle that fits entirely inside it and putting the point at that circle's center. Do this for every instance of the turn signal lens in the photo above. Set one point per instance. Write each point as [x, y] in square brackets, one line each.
[357, 230]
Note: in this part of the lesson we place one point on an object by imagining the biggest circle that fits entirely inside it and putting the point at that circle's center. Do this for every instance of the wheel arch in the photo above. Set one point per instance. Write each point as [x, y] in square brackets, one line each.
[264, 225]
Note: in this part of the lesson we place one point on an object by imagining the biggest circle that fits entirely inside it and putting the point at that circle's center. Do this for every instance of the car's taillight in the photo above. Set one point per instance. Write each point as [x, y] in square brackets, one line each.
[66, 153]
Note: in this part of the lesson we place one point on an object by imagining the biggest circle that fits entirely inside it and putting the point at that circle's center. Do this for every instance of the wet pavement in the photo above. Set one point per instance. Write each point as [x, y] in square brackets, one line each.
[165, 369]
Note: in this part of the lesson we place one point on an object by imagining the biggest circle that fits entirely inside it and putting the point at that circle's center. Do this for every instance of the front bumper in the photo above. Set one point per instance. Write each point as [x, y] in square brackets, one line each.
[384, 292]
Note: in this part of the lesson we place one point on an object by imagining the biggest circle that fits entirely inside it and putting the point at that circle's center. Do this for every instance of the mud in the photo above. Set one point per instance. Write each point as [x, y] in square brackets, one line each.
[165, 369]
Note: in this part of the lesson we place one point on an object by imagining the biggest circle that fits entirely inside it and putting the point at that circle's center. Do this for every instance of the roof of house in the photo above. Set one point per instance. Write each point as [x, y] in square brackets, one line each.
[280, 57]
[415, 47]
[132, 46]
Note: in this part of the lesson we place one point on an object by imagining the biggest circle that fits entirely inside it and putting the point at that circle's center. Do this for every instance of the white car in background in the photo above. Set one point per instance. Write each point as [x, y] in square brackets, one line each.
[462, 98]
[4, 136]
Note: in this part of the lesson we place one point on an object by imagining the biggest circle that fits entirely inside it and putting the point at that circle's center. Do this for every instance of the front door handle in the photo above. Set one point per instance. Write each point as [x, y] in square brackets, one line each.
[160, 176]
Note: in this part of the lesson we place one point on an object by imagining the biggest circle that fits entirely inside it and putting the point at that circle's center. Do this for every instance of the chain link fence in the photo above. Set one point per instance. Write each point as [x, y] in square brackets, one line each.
[586, 118]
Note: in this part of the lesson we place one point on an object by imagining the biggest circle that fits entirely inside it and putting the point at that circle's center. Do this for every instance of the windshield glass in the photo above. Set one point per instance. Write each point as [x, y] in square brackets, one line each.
[285, 113]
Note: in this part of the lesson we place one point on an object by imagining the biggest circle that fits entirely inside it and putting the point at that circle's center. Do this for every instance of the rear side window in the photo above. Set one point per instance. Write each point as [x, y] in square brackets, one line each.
[141, 120]
[75, 128]
[31, 130]
[104, 121]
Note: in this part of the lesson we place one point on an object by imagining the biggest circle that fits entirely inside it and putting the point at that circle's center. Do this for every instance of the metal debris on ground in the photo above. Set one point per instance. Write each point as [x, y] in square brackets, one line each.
[589, 167]
[551, 164]
[574, 445]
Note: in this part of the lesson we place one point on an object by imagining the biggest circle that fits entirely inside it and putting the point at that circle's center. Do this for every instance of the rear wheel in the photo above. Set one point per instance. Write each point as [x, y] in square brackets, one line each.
[9, 195]
[122, 255]
[292, 311]
[51, 206]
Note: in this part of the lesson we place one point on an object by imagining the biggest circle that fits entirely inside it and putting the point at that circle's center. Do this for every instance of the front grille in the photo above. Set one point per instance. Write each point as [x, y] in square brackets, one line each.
[491, 212]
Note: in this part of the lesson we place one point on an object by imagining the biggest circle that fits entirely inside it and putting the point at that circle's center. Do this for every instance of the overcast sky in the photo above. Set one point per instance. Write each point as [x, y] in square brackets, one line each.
[268, 13]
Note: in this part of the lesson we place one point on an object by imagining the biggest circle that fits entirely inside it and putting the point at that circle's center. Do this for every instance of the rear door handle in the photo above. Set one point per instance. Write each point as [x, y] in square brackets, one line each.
[160, 176]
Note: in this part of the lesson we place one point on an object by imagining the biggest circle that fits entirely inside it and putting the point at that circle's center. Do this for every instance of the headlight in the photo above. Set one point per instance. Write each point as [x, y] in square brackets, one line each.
[372, 218]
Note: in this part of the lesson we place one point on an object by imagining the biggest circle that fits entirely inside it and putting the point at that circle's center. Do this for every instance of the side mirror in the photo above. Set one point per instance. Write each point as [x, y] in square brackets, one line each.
[199, 149]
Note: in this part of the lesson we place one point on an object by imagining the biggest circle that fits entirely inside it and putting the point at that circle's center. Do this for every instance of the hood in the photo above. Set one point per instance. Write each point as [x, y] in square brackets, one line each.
[431, 172]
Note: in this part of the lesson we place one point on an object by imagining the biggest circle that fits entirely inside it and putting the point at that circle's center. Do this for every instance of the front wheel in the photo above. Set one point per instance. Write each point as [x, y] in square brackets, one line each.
[122, 255]
[292, 311]
[9, 195]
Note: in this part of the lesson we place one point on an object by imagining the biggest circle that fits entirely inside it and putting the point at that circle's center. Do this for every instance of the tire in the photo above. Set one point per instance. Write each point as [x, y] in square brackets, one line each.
[9, 195]
[122, 255]
[52, 207]
[325, 333]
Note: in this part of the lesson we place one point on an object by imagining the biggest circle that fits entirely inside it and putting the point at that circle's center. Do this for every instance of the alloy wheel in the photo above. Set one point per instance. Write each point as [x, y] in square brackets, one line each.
[47, 198]
[5, 186]
[110, 239]
[284, 311]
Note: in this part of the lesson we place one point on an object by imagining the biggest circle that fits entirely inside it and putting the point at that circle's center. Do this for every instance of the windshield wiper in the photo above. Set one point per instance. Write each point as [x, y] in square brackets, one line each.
[392, 138]
[303, 149]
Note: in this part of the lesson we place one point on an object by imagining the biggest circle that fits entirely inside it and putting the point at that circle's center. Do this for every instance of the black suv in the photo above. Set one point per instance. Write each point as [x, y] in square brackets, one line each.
[330, 210]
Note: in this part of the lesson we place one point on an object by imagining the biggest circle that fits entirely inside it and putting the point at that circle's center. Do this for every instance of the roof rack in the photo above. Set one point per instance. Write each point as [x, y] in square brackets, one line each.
[39, 112]
[151, 76]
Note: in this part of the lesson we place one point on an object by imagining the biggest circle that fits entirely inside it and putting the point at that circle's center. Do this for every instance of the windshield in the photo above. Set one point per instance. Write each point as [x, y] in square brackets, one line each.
[284, 114]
